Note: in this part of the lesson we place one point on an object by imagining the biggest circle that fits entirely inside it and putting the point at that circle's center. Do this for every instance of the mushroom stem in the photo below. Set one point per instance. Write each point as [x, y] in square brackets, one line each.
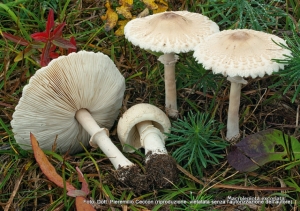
[233, 130]
[169, 60]
[151, 138]
[99, 137]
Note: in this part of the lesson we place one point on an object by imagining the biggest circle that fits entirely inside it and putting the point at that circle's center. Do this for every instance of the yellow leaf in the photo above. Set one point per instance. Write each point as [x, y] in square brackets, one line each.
[126, 3]
[110, 16]
[150, 4]
[162, 6]
[120, 30]
[126, 6]
[125, 11]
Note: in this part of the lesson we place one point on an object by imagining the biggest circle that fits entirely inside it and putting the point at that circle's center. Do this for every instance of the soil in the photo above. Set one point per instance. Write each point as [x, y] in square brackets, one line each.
[161, 170]
[132, 178]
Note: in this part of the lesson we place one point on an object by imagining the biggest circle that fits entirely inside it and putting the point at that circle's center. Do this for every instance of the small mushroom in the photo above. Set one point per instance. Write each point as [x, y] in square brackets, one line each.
[143, 126]
[170, 33]
[240, 53]
[71, 99]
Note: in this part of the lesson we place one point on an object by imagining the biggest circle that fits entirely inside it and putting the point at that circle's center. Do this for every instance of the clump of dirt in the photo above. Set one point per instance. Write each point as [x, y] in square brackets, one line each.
[161, 170]
[131, 178]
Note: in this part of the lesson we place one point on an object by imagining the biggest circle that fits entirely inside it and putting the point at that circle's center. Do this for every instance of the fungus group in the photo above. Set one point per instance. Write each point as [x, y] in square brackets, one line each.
[170, 33]
[74, 101]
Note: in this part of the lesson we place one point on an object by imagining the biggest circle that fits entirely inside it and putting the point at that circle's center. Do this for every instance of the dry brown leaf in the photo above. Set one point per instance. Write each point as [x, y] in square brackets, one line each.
[46, 167]
[50, 172]
[110, 16]
[82, 205]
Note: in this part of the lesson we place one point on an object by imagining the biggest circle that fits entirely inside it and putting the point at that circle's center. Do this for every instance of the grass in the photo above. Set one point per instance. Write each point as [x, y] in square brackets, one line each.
[263, 105]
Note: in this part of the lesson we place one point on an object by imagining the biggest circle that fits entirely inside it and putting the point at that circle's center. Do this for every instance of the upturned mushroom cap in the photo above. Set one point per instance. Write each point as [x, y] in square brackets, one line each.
[169, 32]
[241, 52]
[49, 102]
[127, 131]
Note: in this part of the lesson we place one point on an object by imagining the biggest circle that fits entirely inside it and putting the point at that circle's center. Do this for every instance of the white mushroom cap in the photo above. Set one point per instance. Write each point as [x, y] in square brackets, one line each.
[169, 32]
[241, 52]
[127, 131]
[49, 102]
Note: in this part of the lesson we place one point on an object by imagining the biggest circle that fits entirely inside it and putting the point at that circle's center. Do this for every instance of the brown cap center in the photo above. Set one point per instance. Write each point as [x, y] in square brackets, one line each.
[171, 16]
[239, 35]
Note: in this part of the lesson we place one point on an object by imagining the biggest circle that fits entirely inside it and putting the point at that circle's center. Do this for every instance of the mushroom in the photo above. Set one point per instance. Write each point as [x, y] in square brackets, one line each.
[71, 99]
[143, 126]
[170, 33]
[240, 53]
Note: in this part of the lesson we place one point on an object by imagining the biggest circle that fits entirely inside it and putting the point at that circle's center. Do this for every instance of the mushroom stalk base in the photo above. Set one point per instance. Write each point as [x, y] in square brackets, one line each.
[100, 138]
[169, 60]
[151, 138]
[233, 130]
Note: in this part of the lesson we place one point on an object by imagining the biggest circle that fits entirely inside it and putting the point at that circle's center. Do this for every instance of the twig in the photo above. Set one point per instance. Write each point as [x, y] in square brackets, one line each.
[16, 188]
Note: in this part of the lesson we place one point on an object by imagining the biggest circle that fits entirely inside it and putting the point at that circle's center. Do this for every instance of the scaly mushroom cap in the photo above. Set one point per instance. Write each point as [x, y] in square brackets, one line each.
[49, 102]
[241, 52]
[169, 32]
[127, 131]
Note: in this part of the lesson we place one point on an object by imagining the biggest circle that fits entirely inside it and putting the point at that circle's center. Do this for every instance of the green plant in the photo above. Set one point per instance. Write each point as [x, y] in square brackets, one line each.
[255, 14]
[291, 74]
[47, 42]
[192, 74]
[197, 142]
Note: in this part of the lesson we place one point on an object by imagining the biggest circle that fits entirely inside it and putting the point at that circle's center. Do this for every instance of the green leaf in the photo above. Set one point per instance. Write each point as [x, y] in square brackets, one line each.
[263, 147]
[61, 42]
[25, 53]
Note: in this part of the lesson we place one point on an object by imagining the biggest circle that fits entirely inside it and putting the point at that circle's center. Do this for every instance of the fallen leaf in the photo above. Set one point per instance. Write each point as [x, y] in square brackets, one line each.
[46, 167]
[50, 172]
[82, 205]
[124, 9]
[150, 4]
[110, 16]
[84, 188]
[162, 6]
[25, 53]
[260, 148]
[120, 30]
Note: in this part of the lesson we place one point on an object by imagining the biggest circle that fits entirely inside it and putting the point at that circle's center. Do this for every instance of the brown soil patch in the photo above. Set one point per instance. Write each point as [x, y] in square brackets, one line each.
[161, 170]
[131, 178]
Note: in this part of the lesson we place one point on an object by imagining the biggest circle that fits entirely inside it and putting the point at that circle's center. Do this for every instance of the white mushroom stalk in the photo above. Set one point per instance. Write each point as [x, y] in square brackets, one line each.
[234, 105]
[99, 138]
[152, 140]
[170, 33]
[240, 53]
[169, 60]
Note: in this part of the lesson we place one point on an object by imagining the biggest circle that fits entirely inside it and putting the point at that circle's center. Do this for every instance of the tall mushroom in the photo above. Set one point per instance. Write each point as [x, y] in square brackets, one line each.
[240, 53]
[170, 33]
[143, 126]
[71, 99]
